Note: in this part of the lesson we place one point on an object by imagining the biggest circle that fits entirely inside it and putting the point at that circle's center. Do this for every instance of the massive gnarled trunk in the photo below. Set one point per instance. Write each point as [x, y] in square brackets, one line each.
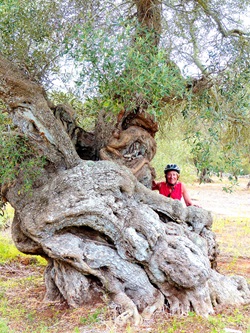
[101, 229]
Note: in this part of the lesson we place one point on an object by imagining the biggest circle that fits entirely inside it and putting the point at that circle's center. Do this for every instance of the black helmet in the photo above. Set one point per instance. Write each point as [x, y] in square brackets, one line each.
[172, 167]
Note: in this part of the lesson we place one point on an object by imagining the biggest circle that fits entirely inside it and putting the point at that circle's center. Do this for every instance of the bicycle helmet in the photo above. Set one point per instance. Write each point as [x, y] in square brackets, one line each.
[172, 167]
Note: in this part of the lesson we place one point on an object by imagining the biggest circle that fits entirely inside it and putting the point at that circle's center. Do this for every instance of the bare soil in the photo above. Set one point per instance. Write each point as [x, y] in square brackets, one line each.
[212, 197]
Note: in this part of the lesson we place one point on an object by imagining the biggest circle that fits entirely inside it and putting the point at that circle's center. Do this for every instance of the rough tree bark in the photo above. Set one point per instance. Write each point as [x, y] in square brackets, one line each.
[100, 229]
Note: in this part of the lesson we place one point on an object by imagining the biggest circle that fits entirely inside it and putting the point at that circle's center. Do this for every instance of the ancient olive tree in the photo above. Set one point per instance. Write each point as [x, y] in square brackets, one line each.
[101, 229]
[90, 210]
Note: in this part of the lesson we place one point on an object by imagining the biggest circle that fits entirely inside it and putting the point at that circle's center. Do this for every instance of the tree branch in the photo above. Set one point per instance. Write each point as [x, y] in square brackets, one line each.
[30, 111]
[221, 28]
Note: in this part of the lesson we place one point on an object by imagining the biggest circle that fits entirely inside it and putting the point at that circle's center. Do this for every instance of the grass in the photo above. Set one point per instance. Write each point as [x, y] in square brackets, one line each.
[22, 290]
[6, 219]
[233, 235]
[9, 252]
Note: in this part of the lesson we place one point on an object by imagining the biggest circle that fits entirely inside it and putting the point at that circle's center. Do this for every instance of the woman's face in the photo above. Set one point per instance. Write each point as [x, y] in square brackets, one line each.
[172, 177]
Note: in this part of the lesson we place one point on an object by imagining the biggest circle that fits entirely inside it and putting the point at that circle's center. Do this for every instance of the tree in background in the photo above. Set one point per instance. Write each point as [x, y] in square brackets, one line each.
[81, 196]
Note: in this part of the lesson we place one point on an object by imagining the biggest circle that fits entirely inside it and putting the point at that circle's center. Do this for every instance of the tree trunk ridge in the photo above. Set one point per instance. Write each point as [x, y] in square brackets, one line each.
[101, 230]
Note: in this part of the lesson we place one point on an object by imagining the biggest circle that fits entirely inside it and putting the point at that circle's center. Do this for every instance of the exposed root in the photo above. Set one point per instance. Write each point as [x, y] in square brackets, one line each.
[130, 314]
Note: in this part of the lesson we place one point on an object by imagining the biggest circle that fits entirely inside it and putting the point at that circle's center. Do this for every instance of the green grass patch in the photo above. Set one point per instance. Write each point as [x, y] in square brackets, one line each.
[23, 282]
[196, 324]
[91, 318]
[4, 326]
[9, 253]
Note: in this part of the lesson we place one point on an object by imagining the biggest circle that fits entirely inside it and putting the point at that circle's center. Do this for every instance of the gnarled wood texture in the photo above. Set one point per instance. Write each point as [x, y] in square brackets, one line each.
[103, 230]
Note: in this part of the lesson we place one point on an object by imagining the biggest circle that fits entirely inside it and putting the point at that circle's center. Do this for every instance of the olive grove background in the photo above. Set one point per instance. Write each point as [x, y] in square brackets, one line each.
[88, 90]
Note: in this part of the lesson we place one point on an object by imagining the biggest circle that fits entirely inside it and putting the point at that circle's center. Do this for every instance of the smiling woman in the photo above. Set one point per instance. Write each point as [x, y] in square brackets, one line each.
[172, 188]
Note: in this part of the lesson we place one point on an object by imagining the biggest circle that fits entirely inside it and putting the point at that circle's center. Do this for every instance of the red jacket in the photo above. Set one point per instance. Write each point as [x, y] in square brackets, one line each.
[164, 189]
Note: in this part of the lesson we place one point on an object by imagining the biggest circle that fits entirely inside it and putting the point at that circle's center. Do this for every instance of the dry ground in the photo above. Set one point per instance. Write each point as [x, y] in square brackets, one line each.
[221, 203]
[25, 311]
